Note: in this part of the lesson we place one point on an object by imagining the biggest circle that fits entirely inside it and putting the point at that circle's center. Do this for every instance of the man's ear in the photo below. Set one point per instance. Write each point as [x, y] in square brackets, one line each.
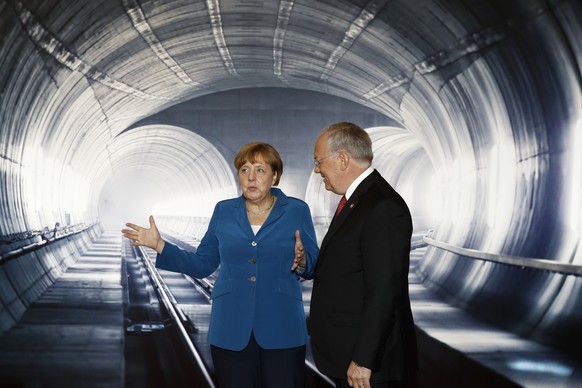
[344, 159]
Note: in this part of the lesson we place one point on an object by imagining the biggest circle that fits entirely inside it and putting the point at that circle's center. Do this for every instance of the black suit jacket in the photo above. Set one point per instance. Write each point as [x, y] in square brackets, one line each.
[360, 307]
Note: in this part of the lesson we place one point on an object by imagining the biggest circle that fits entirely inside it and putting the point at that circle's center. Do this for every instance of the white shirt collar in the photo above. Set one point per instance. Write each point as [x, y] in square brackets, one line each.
[357, 182]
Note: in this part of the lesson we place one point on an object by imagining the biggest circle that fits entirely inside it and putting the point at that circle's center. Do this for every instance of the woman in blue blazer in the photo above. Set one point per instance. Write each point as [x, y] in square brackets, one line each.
[257, 327]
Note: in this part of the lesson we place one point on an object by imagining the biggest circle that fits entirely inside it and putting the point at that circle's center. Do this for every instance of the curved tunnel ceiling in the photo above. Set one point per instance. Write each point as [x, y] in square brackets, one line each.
[490, 91]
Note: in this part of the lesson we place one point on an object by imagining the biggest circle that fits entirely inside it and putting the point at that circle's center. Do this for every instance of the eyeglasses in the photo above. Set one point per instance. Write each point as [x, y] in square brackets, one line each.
[317, 162]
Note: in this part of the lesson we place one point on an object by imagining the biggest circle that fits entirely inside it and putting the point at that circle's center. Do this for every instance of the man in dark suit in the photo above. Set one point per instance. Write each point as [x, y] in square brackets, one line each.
[361, 326]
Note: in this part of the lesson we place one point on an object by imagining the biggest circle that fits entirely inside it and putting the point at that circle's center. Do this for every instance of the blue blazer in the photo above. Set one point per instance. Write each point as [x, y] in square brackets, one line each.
[255, 290]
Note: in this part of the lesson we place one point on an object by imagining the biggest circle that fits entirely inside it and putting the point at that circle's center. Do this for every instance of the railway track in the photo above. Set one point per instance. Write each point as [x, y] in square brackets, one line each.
[167, 317]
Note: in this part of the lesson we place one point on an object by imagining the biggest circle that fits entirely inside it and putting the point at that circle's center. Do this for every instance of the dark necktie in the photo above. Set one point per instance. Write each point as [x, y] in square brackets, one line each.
[341, 204]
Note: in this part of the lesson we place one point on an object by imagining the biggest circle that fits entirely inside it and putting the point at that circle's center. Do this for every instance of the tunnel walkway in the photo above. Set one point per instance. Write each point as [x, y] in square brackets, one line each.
[458, 350]
[73, 336]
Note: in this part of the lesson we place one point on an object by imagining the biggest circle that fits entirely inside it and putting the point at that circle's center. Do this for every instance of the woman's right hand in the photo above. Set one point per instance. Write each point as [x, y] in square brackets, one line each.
[149, 237]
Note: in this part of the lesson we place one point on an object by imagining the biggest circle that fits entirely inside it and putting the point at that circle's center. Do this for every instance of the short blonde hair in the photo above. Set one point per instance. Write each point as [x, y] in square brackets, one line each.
[257, 150]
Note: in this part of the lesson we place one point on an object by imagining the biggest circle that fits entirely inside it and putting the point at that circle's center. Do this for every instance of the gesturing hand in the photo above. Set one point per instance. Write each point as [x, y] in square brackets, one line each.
[299, 259]
[149, 237]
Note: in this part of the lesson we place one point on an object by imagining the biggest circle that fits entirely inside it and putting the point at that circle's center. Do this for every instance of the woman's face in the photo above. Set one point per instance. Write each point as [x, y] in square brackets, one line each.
[256, 179]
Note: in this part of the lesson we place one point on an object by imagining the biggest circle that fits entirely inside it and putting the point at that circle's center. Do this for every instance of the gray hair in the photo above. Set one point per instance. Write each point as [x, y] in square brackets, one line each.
[352, 138]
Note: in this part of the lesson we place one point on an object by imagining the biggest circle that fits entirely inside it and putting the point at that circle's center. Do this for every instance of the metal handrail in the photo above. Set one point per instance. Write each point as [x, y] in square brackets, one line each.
[177, 315]
[526, 262]
[37, 245]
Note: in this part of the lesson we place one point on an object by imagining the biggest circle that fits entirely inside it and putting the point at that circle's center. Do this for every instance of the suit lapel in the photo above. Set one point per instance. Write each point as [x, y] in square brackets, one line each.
[349, 207]
[277, 210]
[240, 215]
[336, 222]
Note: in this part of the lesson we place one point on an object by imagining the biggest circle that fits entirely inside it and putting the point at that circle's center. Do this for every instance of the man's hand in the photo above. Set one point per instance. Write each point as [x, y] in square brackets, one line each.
[358, 376]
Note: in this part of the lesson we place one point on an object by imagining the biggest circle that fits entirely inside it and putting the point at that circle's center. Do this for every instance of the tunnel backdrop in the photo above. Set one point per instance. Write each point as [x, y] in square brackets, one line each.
[112, 110]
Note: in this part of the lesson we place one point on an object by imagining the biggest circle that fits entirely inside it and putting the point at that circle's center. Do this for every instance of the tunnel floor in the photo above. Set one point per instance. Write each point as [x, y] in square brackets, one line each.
[456, 348]
[73, 335]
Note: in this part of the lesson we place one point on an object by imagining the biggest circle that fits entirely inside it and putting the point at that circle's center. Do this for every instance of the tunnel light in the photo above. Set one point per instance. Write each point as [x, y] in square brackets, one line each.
[493, 183]
[501, 184]
[455, 187]
[43, 188]
[50, 189]
[30, 178]
[456, 193]
[436, 200]
[575, 204]
[541, 367]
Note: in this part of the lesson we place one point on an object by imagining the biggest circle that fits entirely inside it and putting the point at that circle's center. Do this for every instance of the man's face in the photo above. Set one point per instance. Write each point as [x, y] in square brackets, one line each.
[327, 165]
